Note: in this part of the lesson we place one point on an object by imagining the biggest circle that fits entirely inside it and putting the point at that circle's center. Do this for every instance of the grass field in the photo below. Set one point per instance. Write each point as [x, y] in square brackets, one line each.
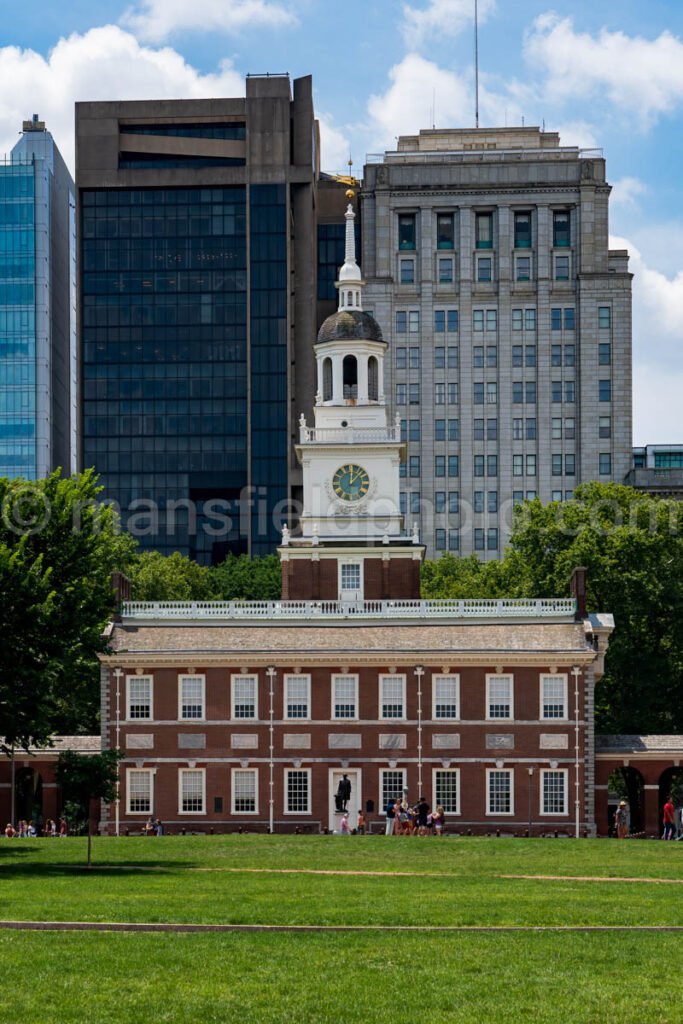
[326, 977]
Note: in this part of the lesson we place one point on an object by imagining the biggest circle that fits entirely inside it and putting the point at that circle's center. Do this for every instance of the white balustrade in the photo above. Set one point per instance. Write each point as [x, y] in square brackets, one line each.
[349, 435]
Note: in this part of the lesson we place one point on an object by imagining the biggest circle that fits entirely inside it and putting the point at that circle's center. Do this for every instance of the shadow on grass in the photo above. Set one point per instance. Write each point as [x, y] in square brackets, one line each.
[146, 867]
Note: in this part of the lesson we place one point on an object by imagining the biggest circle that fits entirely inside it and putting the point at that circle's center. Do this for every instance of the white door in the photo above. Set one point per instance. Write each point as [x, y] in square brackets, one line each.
[351, 583]
[355, 802]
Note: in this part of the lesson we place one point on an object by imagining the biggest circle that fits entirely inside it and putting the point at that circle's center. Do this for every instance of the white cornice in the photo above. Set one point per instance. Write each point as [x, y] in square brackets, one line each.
[364, 659]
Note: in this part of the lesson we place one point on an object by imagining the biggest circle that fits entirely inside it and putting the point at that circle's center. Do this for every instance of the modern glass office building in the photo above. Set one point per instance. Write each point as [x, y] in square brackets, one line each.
[38, 420]
[197, 260]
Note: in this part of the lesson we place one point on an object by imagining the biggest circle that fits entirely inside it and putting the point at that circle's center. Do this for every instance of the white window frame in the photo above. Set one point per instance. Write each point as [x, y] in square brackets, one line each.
[202, 679]
[552, 718]
[233, 679]
[348, 563]
[553, 771]
[558, 255]
[134, 678]
[297, 718]
[446, 771]
[500, 814]
[288, 772]
[191, 771]
[525, 254]
[233, 775]
[436, 678]
[486, 255]
[392, 718]
[149, 772]
[490, 676]
[344, 675]
[392, 771]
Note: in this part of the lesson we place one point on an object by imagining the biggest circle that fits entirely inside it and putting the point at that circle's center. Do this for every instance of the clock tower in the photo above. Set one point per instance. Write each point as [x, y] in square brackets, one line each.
[351, 546]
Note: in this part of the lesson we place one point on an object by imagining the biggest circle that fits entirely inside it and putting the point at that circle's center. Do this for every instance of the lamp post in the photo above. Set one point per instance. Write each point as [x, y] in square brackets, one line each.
[419, 672]
[576, 672]
[270, 672]
[531, 776]
[117, 802]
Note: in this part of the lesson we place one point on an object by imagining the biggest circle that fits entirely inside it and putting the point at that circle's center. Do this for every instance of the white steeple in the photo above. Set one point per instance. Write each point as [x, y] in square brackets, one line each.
[350, 283]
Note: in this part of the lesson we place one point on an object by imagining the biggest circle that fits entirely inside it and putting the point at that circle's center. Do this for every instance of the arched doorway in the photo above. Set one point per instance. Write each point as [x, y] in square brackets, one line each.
[28, 796]
[671, 785]
[626, 784]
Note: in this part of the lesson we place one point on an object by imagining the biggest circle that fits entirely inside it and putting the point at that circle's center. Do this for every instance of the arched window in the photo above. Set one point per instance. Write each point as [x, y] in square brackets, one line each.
[327, 380]
[373, 379]
[350, 367]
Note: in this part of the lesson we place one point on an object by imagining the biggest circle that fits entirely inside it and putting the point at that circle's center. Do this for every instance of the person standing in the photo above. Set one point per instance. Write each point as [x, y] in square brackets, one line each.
[669, 819]
[390, 813]
[621, 820]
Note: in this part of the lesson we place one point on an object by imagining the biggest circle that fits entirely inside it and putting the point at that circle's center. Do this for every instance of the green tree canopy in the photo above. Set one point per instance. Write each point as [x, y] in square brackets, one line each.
[85, 778]
[248, 579]
[156, 577]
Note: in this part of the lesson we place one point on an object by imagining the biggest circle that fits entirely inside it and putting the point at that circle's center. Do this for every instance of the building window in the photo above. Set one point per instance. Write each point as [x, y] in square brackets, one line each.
[557, 465]
[453, 465]
[401, 321]
[452, 321]
[604, 353]
[517, 392]
[561, 268]
[523, 268]
[529, 319]
[553, 696]
[492, 465]
[531, 428]
[244, 791]
[414, 430]
[530, 392]
[556, 496]
[454, 430]
[440, 539]
[570, 465]
[445, 697]
[191, 697]
[605, 390]
[569, 428]
[439, 321]
[439, 394]
[499, 795]
[492, 501]
[604, 317]
[445, 231]
[491, 393]
[478, 357]
[553, 791]
[478, 393]
[139, 697]
[345, 697]
[407, 271]
[439, 501]
[439, 358]
[492, 539]
[556, 319]
[244, 704]
[414, 466]
[139, 782]
[401, 394]
[556, 355]
[517, 356]
[445, 271]
[518, 429]
[350, 578]
[414, 394]
[478, 320]
[192, 788]
[569, 318]
[556, 391]
[392, 696]
[517, 498]
[453, 393]
[492, 429]
[523, 230]
[297, 791]
[531, 466]
[414, 321]
[453, 540]
[439, 465]
[401, 358]
[479, 465]
[605, 426]
[561, 229]
[484, 269]
[406, 231]
[569, 390]
[605, 464]
[479, 430]
[439, 430]
[446, 789]
[498, 697]
[479, 539]
[392, 783]
[491, 319]
[415, 503]
[530, 356]
[569, 355]
[327, 380]
[478, 501]
[297, 696]
[517, 319]
[484, 231]
[454, 502]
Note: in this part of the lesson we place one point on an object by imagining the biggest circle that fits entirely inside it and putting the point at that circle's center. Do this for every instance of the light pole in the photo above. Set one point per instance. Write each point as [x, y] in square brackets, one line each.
[531, 776]
[419, 672]
[117, 802]
[576, 672]
[270, 672]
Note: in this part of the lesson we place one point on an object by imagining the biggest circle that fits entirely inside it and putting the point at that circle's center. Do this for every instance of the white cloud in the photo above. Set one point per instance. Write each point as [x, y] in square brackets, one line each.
[103, 64]
[576, 133]
[441, 18]
[335, 148]
[154, 21]
[626, 192]
[642, 77]
[657, 393]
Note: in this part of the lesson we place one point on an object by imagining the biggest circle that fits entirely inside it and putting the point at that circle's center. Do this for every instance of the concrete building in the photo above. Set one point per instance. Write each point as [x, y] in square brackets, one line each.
[197, 260]
[487, 261]
[38, 359]
[658, 470]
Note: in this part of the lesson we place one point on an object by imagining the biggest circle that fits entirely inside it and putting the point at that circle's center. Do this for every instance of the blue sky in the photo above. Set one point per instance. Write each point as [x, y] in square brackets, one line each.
[606, 74]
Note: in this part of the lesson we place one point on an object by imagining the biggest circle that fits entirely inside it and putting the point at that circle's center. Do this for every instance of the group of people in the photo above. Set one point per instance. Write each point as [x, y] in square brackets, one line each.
[670, 816]
[30, 830]
[404, 819]
[153, 827]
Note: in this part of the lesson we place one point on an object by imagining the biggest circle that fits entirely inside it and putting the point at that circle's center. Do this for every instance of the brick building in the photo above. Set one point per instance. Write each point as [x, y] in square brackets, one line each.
[249, 714]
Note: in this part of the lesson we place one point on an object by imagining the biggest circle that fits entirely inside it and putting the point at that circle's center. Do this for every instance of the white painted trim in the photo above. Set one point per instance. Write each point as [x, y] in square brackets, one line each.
[243, 675]
[188, 675]
[135, 721]
[296, 675]
[391, 675]
[445, 675]
[553, 675]
[150, 772]
[233, 773]
[500, 675]
[447, 771]
[382, 773]
[287, 773]
[500, 814]
[181, 771]
[343, 675]
[554, 814]
[356, 794]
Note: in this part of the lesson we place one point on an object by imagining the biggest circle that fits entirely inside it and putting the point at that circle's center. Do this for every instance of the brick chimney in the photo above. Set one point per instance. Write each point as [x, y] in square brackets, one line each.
[577, 589]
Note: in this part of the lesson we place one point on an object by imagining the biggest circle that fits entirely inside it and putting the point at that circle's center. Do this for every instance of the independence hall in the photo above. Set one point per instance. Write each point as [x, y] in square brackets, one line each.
[248, 714]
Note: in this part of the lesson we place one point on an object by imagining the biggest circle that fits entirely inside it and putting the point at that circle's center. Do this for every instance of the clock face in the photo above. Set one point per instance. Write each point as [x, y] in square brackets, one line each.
[351, 482]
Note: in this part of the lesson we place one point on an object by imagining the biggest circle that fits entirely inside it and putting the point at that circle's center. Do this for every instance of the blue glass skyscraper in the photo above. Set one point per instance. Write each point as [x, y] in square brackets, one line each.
[38, 357]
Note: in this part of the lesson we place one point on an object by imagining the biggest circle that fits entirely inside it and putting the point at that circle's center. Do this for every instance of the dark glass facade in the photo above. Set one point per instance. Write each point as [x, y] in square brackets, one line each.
[164, 361]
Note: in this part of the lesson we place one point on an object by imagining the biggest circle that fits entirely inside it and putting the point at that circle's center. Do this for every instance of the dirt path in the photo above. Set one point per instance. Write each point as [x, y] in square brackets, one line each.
[595, 878]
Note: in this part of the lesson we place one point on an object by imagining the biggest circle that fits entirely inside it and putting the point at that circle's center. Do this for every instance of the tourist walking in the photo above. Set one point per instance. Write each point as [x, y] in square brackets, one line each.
[621, 820]
[669, 817]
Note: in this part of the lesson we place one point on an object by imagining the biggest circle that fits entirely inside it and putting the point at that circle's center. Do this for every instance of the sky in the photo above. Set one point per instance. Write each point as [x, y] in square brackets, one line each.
[606, 75]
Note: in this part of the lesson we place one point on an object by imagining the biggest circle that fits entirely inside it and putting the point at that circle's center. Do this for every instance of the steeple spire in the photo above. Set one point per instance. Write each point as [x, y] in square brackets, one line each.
[350, 281]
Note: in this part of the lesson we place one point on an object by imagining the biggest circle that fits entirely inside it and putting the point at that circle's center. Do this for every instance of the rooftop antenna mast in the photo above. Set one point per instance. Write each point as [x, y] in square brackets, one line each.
[476, 64]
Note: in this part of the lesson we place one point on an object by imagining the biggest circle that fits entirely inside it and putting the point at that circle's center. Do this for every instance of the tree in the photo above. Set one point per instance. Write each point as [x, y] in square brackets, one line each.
[85, 778]
[632, 546]
[59, 547]
[155, 577]
[241, 578]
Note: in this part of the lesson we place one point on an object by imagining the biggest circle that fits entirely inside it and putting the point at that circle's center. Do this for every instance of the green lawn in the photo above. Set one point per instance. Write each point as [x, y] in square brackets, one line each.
[325, 978]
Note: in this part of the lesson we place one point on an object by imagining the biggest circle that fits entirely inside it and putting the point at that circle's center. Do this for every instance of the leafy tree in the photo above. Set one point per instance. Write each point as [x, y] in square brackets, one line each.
[240, 578]
[156, 577]
[632, 547]
[86, 778]
[58, 548]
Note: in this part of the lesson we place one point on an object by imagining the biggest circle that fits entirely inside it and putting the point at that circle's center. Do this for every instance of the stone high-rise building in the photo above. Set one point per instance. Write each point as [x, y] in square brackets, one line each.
[488, 266]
